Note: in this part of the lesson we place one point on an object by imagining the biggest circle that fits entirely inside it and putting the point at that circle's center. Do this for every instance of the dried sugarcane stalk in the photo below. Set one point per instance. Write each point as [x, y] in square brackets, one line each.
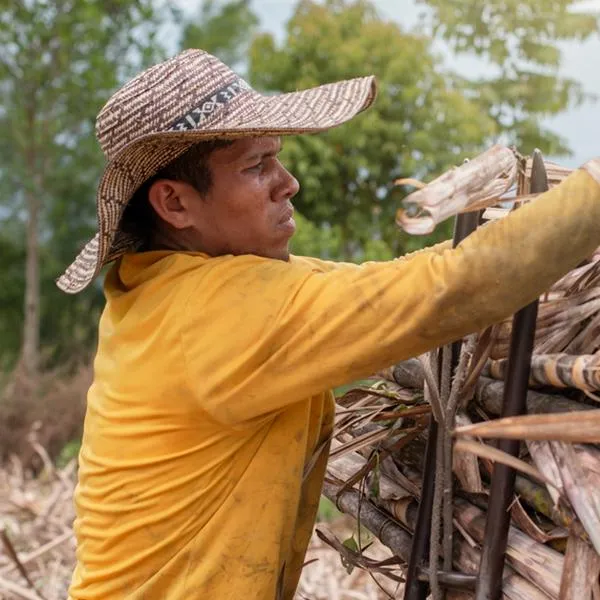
[399, 541]
[489, 396]
[514, 587]
[580, 571]
[346, 466]
[580, 489]
[558, 370]
[409, 373]
[387, 531]
[397, 502]
[537, 563]
[472, 186]
[568, 337]
[466, 465]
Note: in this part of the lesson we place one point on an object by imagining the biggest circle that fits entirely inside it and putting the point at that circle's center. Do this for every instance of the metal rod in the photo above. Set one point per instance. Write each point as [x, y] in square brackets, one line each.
[414, 588]
[489, 583]
[465, 224]
[460, 581]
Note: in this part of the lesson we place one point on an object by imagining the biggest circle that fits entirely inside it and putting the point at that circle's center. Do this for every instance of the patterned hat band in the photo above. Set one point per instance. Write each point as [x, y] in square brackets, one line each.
[207, 107]
[175, 104]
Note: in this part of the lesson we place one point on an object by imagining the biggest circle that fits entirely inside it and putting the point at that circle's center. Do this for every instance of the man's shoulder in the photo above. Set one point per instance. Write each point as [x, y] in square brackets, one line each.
[225, 277]
[320, 265]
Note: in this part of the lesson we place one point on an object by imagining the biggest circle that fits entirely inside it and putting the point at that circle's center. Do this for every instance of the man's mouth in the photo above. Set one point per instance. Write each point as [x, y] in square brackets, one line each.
[287, 220]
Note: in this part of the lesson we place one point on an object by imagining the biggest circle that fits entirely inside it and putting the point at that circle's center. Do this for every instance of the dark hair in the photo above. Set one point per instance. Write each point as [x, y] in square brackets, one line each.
[139, 218]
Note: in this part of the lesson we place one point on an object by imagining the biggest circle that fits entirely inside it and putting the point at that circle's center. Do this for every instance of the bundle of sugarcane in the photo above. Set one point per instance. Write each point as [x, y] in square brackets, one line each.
[568, 320]
[377, 458]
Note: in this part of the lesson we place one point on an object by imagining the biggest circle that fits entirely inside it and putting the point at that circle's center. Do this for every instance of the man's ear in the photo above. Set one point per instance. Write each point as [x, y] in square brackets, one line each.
[170, 200]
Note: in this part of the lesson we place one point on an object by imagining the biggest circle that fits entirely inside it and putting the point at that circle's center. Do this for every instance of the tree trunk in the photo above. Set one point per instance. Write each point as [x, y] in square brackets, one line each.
[29, 359]
[29, 362]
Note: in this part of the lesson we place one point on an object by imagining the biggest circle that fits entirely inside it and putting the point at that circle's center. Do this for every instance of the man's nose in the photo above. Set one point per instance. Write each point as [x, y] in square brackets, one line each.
[289, 185]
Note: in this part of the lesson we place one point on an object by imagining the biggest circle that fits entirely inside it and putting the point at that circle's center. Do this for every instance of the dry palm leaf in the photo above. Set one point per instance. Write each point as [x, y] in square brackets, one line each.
[346, 467]
[495, 455]
[568, 317]
[583, 427]
[563, 325]
[358, 443]
[543, 458]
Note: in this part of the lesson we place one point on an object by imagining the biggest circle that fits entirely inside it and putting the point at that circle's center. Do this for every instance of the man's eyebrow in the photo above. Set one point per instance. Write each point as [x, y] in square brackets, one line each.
[264, 154]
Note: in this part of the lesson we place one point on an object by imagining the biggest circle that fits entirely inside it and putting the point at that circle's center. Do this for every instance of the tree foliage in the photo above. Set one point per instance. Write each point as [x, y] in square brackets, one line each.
[421, 122]
[224, 29]
[59, 62]
[521, 43]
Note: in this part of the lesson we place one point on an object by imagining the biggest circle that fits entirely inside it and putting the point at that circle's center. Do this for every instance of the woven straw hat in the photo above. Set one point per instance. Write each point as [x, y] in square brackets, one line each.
[166, 109]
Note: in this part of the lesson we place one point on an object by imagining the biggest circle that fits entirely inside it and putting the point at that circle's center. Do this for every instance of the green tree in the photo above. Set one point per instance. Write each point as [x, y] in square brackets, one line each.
[224, 29]
[520, 42]
[59, 62]
[421, 123]
[312, 240]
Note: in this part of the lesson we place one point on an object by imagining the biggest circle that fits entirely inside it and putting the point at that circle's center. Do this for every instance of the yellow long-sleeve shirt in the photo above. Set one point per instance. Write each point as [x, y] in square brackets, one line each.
[210, 392]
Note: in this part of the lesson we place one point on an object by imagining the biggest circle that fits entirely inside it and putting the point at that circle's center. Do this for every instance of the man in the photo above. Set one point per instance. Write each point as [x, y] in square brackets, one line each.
[207, 425]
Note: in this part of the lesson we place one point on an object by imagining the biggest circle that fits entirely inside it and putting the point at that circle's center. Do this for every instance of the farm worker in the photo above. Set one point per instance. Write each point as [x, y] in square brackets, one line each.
[208, 420]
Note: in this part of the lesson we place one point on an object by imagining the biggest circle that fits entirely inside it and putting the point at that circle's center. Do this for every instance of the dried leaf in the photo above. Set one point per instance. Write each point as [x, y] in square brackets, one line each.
[495, 455]
[580, 571]
[528, 526]
[582, 494]
[580, 426]
[543, 458]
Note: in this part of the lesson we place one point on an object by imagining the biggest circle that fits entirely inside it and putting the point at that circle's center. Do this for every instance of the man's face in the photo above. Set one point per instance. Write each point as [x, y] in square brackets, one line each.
[248, 209]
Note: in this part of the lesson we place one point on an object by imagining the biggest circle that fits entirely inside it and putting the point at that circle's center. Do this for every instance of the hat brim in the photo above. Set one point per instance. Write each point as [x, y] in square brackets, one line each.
[249, 115]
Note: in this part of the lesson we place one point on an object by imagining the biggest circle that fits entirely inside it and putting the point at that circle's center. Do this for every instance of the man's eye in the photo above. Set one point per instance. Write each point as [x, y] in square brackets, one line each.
[257, 167]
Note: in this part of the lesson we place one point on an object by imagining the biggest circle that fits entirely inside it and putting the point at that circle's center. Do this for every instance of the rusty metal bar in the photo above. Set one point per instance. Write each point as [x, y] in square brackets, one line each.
[415, 588]
[458, 581]
[489, 583]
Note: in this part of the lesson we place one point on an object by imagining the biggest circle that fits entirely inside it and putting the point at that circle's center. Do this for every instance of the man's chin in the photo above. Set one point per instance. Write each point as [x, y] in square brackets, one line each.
[285, 255]
[281, 253]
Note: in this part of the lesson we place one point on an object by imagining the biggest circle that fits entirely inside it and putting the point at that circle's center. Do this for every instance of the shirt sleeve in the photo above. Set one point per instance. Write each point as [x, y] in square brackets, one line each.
[323, 266]
[261, 334]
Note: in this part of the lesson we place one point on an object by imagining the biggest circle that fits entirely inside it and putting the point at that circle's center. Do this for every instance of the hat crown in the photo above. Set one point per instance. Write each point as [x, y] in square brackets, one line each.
[179, 94]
